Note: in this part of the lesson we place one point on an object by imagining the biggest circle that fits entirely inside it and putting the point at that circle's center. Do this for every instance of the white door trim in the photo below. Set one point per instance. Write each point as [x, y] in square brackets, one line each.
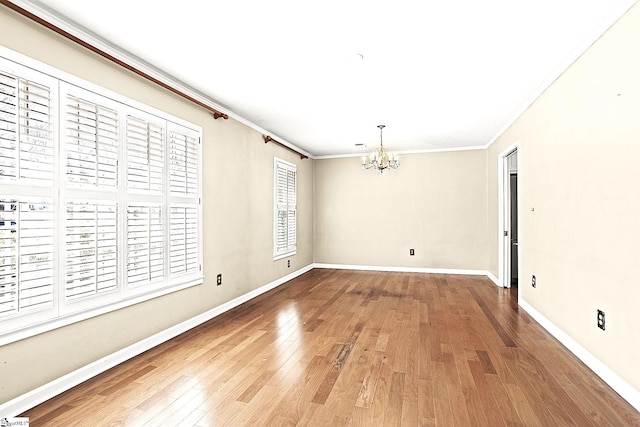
[504, 220]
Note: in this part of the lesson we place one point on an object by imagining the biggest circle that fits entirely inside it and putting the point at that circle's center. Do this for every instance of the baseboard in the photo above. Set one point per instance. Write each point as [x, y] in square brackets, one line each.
[619, 385]
[403, 269]
[494, 279]
[33, 398]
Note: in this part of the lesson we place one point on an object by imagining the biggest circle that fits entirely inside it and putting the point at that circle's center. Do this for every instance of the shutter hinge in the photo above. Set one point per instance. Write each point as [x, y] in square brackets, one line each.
[200, 267]
[200, 200]
[506, 233]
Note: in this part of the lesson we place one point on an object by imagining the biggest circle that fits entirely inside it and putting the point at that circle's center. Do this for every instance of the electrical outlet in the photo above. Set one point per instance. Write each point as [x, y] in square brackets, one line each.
[533, 280]
[219, 280]
[288, 263]
[601, 319]
[412, 252]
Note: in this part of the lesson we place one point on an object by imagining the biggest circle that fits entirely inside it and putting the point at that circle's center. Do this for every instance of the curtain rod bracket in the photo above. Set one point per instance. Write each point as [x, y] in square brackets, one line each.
[217, 114]
[268, 138]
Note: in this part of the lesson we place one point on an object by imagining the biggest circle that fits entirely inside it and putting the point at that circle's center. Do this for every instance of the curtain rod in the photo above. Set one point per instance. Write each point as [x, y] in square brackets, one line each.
[267, 139]
[216, 114]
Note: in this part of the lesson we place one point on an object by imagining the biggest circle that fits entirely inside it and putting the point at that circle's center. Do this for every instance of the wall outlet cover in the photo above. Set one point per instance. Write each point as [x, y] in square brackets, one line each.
[601, 319]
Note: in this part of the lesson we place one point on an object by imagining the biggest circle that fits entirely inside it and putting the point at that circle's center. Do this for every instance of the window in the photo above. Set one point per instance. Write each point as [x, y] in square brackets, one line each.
[284, 234]
[99, 200]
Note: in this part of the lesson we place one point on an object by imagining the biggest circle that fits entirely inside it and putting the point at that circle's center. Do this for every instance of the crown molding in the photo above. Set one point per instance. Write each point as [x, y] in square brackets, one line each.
[42, 11]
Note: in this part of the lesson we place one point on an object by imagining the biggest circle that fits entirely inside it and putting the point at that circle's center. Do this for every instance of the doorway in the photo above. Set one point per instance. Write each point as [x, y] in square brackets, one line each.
[508, 216]
[513, 194]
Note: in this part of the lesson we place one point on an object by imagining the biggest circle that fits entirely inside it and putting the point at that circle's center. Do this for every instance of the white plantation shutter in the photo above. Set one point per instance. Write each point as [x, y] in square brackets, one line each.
[285, 208]
[100, 200]
[26, 256]
[145, 244]
[183, 256]
[8, 126]
[145, 154]
[184, 205]
[91, 248]
[291, 209]
[90, 179]
[9, 281]
[27, 158]
[26, 140]
[183, 161]
[91, 142]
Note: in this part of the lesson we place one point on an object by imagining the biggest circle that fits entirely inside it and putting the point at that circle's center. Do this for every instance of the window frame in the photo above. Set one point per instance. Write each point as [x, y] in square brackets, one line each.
[62, 311]
[287, 206]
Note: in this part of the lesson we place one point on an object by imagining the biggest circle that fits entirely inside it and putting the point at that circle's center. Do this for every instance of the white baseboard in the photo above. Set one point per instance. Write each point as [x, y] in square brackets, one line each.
[33, 398]
[623, 388]
[403, 269]
[494, 279]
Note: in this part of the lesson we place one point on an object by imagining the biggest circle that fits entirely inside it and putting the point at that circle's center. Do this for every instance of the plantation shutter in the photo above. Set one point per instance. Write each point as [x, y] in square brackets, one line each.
[100, 200]
[145, 244]
[184, 207]
[91, 139]
[91, 248]
[26, 150]
[26, 255]
[291, 209]
[145, 154]
[9, 141]
[183, 162]
[285, 208]
[26, 221]
[183, 234]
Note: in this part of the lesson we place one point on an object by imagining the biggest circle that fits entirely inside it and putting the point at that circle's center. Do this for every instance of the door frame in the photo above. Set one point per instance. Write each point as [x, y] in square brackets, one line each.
[504, 214]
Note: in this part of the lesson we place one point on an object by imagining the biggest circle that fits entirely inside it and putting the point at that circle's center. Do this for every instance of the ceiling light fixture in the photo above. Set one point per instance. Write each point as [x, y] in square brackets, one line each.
[380, 160]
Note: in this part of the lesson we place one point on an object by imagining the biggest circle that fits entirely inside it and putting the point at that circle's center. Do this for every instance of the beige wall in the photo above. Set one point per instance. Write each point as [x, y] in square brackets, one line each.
[436, 204]
[238, 218]
[578, 166]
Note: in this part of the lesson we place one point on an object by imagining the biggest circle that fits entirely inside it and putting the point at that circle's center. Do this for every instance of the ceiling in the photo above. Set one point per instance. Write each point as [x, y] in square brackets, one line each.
[322, 75]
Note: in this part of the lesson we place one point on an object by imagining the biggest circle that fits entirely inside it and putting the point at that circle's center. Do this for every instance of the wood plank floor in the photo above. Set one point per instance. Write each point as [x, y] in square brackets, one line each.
[334, 348]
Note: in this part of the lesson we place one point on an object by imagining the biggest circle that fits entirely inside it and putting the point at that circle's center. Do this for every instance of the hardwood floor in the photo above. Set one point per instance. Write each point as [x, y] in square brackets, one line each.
[336, 347]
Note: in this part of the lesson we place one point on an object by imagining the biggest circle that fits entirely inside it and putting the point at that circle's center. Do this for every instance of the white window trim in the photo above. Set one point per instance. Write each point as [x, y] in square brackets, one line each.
[61, 313]
[290, 250]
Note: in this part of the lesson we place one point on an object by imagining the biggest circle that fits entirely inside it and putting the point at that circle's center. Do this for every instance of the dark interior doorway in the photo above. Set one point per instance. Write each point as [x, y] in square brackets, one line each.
[514, 227]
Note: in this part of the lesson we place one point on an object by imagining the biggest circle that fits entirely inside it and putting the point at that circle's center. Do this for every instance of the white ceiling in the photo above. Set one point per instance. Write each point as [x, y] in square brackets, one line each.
[322, 75]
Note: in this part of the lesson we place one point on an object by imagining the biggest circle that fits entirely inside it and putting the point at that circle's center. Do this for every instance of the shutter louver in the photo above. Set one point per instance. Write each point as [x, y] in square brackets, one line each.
[91, 232]
[145, 154]
[91, 138]
[26, 256]
[145, 244]
[26, 138]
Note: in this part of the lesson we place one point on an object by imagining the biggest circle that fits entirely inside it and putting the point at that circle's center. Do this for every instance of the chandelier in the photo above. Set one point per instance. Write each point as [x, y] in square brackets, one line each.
[380, 160]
